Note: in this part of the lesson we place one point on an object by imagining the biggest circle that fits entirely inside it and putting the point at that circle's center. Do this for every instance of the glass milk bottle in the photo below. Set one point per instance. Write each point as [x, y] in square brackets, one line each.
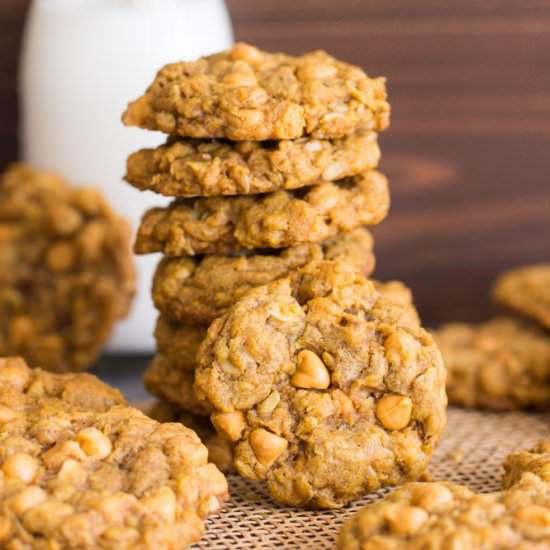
[82, 61]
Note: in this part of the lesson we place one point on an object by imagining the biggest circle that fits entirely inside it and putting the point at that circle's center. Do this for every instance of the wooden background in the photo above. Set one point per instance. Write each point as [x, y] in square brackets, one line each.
[468, 152]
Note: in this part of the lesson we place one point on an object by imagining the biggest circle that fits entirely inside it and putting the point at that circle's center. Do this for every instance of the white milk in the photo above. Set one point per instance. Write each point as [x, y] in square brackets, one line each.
[82, 61]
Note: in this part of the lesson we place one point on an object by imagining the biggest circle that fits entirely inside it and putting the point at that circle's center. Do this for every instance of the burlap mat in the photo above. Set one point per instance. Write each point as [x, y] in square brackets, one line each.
[471, 453]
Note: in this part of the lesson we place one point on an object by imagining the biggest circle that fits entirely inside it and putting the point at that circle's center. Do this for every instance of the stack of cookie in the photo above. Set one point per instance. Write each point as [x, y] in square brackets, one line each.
[504, 363]
[270, 159]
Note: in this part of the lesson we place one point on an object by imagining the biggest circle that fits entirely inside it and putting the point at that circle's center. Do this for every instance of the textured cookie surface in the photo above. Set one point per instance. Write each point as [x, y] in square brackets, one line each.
[501, 364]
[325, 394]
[203, 168]
[81, 469]
[66, 271]
[526, 290]
[200, 289]
[221, 225]
[247, 94]
[442, 516]
[535, 460]
[220, 452]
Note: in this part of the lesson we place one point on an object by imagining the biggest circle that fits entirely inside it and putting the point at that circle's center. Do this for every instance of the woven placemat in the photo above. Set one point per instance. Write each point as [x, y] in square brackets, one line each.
[471, 452]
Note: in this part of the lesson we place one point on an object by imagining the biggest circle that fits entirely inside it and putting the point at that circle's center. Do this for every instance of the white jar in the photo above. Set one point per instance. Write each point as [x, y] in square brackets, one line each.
[82, 61]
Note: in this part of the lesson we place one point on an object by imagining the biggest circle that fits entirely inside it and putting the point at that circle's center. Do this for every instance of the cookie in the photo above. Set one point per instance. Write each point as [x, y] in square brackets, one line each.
[81, 469]
[66, 270]
[503, 364]
[535, 460]
[445, 515]
[185, 168]
[198, 290]
[220, 452]
[324, 393]
[248, 94]
[222, 225]
[526, 290]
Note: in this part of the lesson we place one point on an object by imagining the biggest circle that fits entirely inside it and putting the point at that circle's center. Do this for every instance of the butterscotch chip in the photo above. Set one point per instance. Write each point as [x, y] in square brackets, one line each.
[220, 452]
[221, 225]
[445, 515]
[502, 364]
[535, 460]
[318, 445]
[81, 469]
[66, 270]
[248, 94]
[184, 168]
[526, 290]
[198, 290]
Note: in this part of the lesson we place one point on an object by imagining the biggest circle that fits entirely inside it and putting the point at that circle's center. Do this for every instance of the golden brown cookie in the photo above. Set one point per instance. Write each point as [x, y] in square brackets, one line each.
[248, 94]
[502, 364]
[81, 469]
[526, 290]
[221, 225]
[440, 516]
[325, 394]
[192, 289]
[66, 270]
[185, 168]
[535, 460]
[220, 452]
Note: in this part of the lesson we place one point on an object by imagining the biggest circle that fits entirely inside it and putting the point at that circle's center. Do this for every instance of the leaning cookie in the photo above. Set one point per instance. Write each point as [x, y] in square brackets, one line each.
[247, 94]
[220, 452]
[186, 168]
[198, 290]
[502, 364]
[81, 469]
[443, 515]
[325, 394]
[535, 460]
[66, 270]
[526, 290]
[221, 225]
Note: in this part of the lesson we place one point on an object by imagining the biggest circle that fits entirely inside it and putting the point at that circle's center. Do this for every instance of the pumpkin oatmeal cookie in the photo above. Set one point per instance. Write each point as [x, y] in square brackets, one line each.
[526, 290]
[442, 516]
[66, 270]
[324, 393]
[199, 289]
[221, 225]
[81, 469]
[502, 364]
[247, 94]
[535, 460]
[185, 168]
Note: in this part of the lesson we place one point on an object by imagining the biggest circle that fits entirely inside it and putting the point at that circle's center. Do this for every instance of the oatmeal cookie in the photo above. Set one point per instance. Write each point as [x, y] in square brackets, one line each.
[194, 289]
[502, 364]
[221, 225]
[443, 515]
[526, 290]
[81, 469]
[220, 452]
[535, 460]
[248, 94]
[325, 394]
[186, 168]
[66, 270]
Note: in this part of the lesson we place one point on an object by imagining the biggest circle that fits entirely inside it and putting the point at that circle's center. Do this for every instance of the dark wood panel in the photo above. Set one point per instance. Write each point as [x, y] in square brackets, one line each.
[467, 152]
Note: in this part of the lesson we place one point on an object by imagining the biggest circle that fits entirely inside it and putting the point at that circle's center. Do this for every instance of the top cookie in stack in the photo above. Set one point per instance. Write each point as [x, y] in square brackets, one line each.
[271, 162]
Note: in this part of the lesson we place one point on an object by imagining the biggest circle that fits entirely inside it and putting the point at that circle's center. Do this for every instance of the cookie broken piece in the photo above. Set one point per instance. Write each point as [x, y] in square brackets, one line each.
[221, 225]
[443, 515]
[66, 270]
[185, 168]
[81, 469]
[324, 393]
[247, 94]
[526, 291]
[535, 460]
[502, 364]
[198, 290]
